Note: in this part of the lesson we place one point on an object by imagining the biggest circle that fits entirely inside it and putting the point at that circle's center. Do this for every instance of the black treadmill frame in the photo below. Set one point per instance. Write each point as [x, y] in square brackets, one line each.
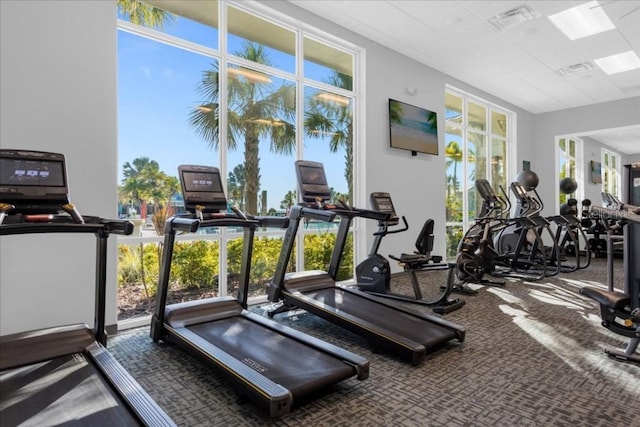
[275, 399]
[18, 349]
[378, 337]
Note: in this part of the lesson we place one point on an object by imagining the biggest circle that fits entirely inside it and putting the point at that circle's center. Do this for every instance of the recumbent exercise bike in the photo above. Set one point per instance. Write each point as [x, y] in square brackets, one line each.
[373, 274]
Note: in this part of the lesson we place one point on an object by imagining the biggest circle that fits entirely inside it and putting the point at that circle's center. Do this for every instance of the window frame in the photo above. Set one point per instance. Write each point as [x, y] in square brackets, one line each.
[616, 171]
[509, 140]
[223, 57]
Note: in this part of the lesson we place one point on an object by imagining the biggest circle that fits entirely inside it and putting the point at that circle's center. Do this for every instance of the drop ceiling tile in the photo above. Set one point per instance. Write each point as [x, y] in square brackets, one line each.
[603, 44]
[422, 9]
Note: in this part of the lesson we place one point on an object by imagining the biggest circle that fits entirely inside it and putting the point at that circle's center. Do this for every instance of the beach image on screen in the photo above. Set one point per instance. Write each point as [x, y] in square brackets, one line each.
[413, 128]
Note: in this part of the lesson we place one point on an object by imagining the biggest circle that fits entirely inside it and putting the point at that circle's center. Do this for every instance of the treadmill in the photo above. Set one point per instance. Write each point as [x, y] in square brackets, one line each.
[265, 362]
[388, 327]
[62, 375]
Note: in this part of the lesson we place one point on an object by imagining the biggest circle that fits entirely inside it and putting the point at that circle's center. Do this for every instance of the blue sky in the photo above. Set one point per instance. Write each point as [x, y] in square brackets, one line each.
[157, 89]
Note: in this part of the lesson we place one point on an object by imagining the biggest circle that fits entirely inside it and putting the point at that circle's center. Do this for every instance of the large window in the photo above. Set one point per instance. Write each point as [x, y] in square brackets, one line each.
[215, 83]
[611, 173]
[569, 166]
[478, 136]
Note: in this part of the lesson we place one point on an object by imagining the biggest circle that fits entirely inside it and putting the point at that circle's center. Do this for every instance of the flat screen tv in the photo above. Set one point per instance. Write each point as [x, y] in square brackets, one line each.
[413, 128]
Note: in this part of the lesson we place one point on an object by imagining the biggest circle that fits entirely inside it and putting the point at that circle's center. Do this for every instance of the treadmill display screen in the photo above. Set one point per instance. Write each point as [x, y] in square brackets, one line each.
[312, 175]
[31, 173]
[202, 182]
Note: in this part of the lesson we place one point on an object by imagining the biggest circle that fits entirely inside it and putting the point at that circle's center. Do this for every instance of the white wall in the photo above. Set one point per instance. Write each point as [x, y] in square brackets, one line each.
[574, 121]
[58, 85]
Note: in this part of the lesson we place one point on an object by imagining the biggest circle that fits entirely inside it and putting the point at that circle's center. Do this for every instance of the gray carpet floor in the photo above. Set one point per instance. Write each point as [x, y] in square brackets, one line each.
[532, 357]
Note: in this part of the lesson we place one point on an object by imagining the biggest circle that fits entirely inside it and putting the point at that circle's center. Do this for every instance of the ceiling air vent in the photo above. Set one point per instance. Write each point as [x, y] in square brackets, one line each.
[513, 17]
[571, 70]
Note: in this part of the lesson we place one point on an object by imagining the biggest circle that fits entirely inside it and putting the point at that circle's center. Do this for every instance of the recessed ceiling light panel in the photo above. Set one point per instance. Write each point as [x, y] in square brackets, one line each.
[619, 63]
[582, 21]
[513, 17]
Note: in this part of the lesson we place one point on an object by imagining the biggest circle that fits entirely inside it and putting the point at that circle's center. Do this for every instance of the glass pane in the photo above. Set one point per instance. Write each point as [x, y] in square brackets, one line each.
[606, 159]
[328, 138]
[327, 64]
[572, 168]
[454, 168]
[266, 251]
[194, 270]
[261, 139]
[498, 164]
[476, 169]
[499, 124]
[260, 41]
[158, 105]
[454, 235]
[317, 253]
[195, 21]
[453, 108]
[572, 148]
[562, 144]
[138, 267]
[613, 161]
[476, 116]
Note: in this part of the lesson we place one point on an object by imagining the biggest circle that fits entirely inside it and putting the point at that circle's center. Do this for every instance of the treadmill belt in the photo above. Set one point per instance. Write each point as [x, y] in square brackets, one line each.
[285, 361]
[411, 327]
[67, 390]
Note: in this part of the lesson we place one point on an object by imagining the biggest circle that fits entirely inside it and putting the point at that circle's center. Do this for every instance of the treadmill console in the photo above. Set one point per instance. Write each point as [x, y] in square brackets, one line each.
[312, 182]
[202, 188]
[381, 202]
[34, 182]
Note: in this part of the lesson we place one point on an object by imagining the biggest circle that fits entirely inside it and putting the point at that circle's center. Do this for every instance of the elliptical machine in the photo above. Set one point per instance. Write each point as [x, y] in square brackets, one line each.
[373, 274]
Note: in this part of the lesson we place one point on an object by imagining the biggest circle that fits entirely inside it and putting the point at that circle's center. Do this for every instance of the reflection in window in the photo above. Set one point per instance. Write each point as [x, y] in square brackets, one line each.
[322, 60]
[328, 128]
[274, 42]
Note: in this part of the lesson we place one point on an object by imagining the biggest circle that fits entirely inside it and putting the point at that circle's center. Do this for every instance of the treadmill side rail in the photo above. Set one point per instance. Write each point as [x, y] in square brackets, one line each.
[145, 408]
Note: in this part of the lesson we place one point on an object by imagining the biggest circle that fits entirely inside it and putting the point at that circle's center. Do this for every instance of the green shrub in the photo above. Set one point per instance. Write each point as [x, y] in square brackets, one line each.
[195, 263]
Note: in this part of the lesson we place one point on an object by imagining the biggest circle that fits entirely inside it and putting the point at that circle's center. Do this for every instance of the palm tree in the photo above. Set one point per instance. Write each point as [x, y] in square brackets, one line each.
[334, 120]
[289, 200]
[144, 182]
[141, 13]
[236, 186]
[256, 109]
[454, 156]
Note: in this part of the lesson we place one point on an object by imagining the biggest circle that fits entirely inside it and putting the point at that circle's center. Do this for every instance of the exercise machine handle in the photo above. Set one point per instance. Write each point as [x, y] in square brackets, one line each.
[190, 225]
[322, 215]
[385, 229]
[272, 221]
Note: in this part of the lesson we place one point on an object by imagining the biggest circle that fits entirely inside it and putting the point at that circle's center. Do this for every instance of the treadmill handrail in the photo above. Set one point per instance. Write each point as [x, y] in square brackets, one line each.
[65, 224]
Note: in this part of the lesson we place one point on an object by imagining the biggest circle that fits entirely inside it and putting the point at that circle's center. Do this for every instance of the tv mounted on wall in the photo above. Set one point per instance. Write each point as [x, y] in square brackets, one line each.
[413, 128]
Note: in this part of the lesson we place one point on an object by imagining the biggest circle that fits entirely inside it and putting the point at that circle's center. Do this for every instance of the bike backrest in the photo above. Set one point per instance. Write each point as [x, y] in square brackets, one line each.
[424, 242]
